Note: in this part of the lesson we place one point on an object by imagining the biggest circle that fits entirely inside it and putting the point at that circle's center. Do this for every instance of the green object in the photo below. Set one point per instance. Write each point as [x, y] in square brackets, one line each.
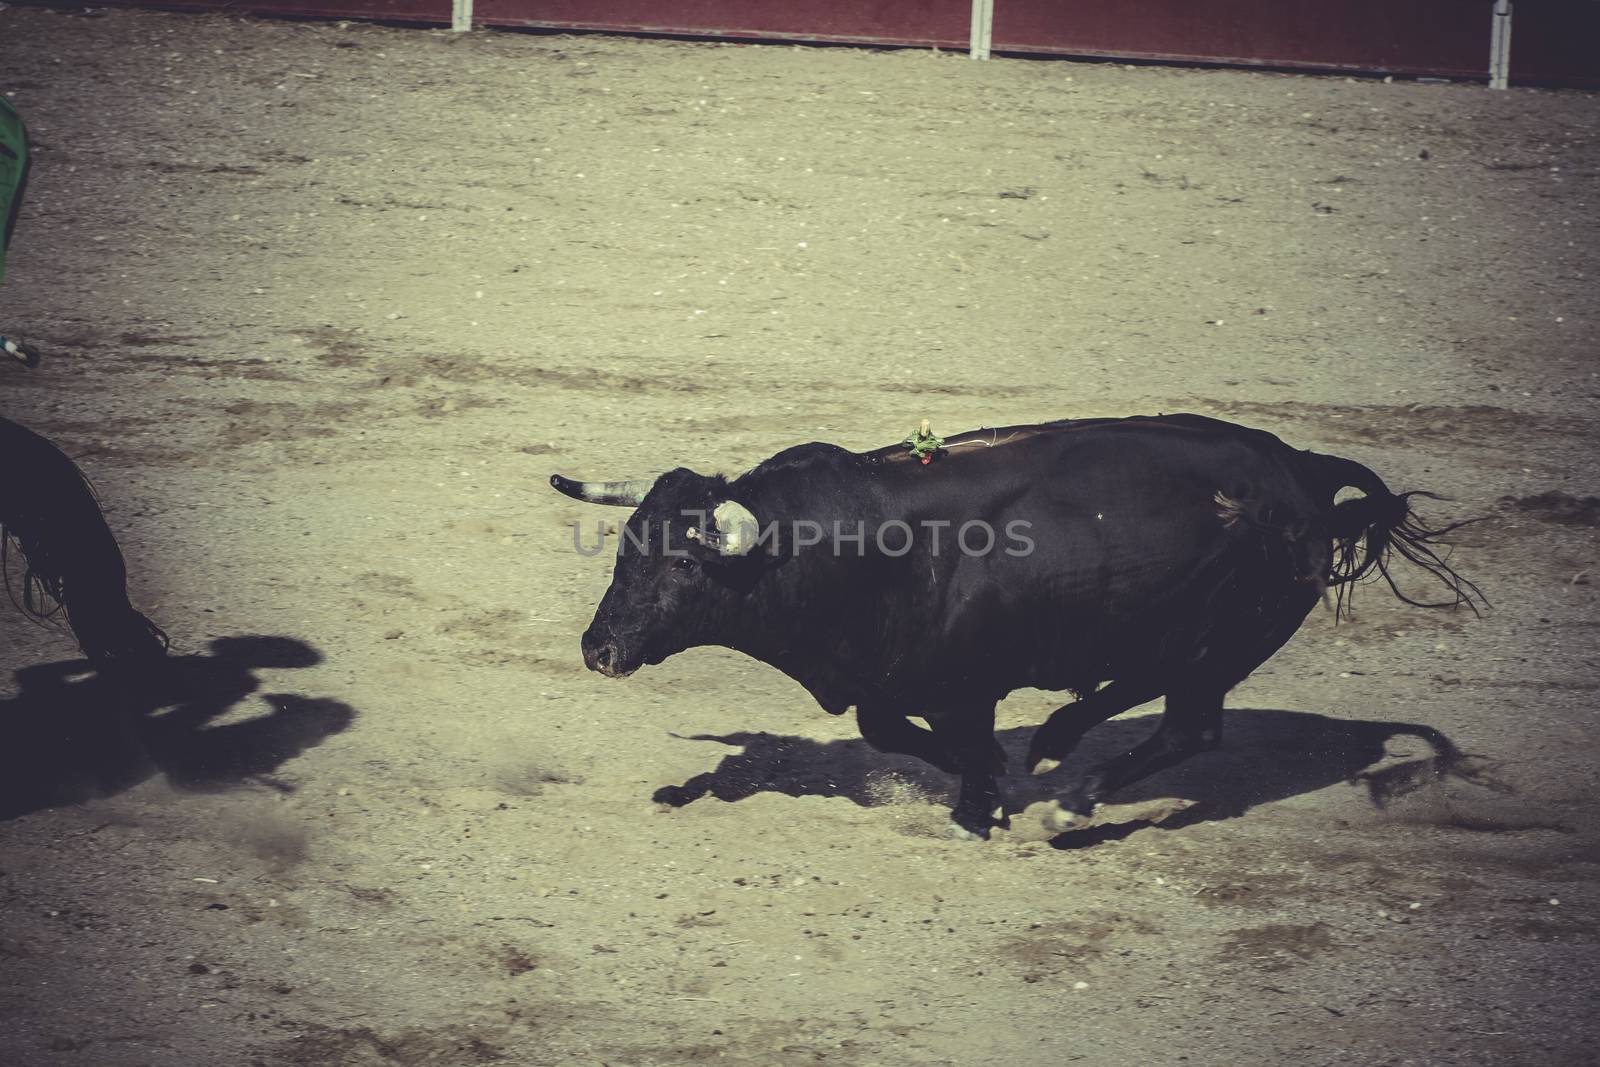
[13, 172]
[924, 443]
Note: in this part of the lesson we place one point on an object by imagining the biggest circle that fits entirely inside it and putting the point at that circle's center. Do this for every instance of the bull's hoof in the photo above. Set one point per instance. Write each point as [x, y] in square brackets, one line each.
[969, 825]
[1080, 802]
[1069, 815]
[1059, 820]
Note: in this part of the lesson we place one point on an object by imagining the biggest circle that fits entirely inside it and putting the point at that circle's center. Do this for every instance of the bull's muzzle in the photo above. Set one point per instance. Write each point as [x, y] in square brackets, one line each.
[601, 653]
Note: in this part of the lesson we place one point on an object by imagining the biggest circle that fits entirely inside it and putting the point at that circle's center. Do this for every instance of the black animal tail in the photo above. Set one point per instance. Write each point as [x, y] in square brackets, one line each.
[1369, 531]
[50, 518]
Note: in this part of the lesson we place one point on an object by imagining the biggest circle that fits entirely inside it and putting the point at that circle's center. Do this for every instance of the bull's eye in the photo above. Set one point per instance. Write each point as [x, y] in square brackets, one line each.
[685, 565]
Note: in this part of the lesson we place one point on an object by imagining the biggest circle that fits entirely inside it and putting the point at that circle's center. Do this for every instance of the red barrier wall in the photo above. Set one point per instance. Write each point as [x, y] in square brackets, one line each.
[913, 22]
[1552, 41]
[1447, 37]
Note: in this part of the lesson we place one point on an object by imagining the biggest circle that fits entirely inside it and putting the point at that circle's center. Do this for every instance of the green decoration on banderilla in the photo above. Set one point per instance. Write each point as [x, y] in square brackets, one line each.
[924, 443]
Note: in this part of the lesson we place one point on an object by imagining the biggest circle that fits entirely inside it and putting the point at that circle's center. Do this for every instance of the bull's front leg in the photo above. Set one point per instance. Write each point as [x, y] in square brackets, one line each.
[968, 736]
[889, 730]
[960, 743]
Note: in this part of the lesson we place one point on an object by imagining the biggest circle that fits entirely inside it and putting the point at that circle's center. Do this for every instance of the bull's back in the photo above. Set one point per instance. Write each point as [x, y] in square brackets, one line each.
[1127, 487]
[1142, 535]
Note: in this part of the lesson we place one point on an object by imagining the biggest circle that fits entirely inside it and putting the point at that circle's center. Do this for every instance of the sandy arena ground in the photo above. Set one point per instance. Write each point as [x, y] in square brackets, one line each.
[324, 305]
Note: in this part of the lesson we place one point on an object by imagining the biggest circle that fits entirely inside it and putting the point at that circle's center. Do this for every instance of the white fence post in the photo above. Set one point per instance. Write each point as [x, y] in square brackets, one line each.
[1500, 45]
[982, 28]
[461, 15]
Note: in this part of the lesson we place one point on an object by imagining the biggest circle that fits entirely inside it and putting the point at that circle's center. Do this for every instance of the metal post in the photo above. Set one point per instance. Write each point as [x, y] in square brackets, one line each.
[982, 28]
[1500, 45]
[461, 15]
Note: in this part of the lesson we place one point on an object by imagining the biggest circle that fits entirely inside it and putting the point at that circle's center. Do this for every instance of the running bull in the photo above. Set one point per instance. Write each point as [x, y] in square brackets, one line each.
[1117, 559]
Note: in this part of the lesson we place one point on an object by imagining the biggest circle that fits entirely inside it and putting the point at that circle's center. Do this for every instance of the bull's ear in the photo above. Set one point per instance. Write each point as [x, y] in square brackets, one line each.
[738, 529]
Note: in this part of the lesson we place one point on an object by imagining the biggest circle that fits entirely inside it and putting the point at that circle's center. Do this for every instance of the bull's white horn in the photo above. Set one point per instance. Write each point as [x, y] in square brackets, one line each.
[620, 494]
[737, 528]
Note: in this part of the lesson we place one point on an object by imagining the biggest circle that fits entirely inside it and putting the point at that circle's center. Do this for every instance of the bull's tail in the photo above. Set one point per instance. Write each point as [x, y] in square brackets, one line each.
[50, 518]
[1369, 531]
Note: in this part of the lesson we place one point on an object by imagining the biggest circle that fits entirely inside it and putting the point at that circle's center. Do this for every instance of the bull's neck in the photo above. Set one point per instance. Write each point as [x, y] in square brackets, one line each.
[816, 613]
[815, 618]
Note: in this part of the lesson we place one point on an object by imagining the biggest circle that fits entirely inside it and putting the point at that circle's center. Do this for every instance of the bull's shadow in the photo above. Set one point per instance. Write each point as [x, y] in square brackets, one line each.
[1266, 755]
[71, 733]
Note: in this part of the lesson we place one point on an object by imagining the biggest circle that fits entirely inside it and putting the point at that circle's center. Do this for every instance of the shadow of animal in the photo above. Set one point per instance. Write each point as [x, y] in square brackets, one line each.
[1267, 755]
[72, 733]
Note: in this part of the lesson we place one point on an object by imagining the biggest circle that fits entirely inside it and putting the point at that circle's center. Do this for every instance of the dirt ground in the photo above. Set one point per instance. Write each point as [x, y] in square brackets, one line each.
[324, 305]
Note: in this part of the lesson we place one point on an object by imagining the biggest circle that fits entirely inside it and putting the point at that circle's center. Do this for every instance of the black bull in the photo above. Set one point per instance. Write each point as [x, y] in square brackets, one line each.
[1119, 559]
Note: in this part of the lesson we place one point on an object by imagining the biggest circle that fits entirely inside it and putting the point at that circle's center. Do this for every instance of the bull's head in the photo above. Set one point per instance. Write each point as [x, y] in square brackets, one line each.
[684, 560]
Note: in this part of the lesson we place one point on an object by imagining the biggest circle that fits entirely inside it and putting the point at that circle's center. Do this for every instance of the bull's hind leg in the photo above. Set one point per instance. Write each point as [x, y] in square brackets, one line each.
[1065, 727]
[1192, 723]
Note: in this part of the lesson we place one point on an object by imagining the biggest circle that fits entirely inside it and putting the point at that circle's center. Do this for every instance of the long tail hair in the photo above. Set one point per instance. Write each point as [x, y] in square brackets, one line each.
[1368, 532]
[50, 519]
